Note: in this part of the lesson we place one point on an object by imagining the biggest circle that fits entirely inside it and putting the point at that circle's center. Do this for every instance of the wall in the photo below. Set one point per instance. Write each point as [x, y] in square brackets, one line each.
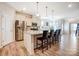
[52, 24]
[0, 29]
[29, 20]
[8, 15]
[66, 26]
[46, 24]
[37, 20]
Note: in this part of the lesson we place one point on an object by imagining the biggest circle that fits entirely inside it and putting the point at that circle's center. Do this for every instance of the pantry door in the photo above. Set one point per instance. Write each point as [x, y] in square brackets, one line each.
[6, 29]
[2, 31]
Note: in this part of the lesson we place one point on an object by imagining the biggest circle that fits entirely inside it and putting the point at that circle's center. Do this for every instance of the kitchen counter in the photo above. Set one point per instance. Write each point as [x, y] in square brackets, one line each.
[34, 32]
[29, 40]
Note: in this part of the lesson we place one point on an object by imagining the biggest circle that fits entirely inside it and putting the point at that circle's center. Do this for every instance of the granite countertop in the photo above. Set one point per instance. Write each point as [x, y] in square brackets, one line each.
[33, 32]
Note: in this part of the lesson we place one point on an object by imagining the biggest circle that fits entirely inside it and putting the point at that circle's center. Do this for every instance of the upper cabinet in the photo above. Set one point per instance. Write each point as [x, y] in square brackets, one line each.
[28, 18]
[24, 17]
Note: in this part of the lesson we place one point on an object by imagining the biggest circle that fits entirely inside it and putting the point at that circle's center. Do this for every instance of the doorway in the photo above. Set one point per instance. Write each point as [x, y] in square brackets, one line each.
[73, 28]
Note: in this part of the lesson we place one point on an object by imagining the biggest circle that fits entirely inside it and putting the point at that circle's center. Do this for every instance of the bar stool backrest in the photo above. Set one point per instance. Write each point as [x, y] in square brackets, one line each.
[55, 33]
[45, 34]
[51, 33]
[59, 31]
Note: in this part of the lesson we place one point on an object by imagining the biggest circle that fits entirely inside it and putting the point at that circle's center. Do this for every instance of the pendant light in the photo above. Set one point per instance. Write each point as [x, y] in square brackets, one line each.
[52, 13]
[37, 9]
[46, 12]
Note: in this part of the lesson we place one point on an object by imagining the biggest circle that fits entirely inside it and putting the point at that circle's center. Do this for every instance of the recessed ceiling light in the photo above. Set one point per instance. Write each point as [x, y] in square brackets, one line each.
[70, 5]
[24, 8]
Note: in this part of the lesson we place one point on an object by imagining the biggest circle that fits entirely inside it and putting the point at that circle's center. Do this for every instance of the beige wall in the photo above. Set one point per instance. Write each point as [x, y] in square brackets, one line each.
[8, 15]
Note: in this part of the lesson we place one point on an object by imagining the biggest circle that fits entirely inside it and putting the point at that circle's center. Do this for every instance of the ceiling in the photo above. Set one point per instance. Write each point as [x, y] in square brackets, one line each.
[56, 9]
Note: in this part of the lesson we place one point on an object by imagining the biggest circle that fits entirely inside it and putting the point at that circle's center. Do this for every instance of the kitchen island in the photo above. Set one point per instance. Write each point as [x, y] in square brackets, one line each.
[29, 40]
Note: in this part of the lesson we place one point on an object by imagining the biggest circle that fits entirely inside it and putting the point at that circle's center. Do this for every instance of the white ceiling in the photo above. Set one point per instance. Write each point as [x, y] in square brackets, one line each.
[60, 8]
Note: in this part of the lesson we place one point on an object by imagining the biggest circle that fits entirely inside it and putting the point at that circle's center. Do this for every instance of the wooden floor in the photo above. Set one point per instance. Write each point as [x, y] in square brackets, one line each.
[57, 50]
[53, 51]
[68, 46]
[15, 49]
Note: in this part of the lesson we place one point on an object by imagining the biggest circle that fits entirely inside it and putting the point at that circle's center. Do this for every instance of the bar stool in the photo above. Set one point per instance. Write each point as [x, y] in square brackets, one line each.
[50, 40]
[43, 40]
[57, 35]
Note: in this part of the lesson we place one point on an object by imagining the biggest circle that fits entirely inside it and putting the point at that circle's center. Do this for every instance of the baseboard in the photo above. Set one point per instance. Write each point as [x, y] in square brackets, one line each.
[7, 43]
[69, 49]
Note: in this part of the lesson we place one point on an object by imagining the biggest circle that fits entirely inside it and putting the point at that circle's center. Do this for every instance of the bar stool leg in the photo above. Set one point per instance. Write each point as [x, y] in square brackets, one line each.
[36, 44]
[42, 46]
[47, 44]
[50, 43]
[53, 41]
